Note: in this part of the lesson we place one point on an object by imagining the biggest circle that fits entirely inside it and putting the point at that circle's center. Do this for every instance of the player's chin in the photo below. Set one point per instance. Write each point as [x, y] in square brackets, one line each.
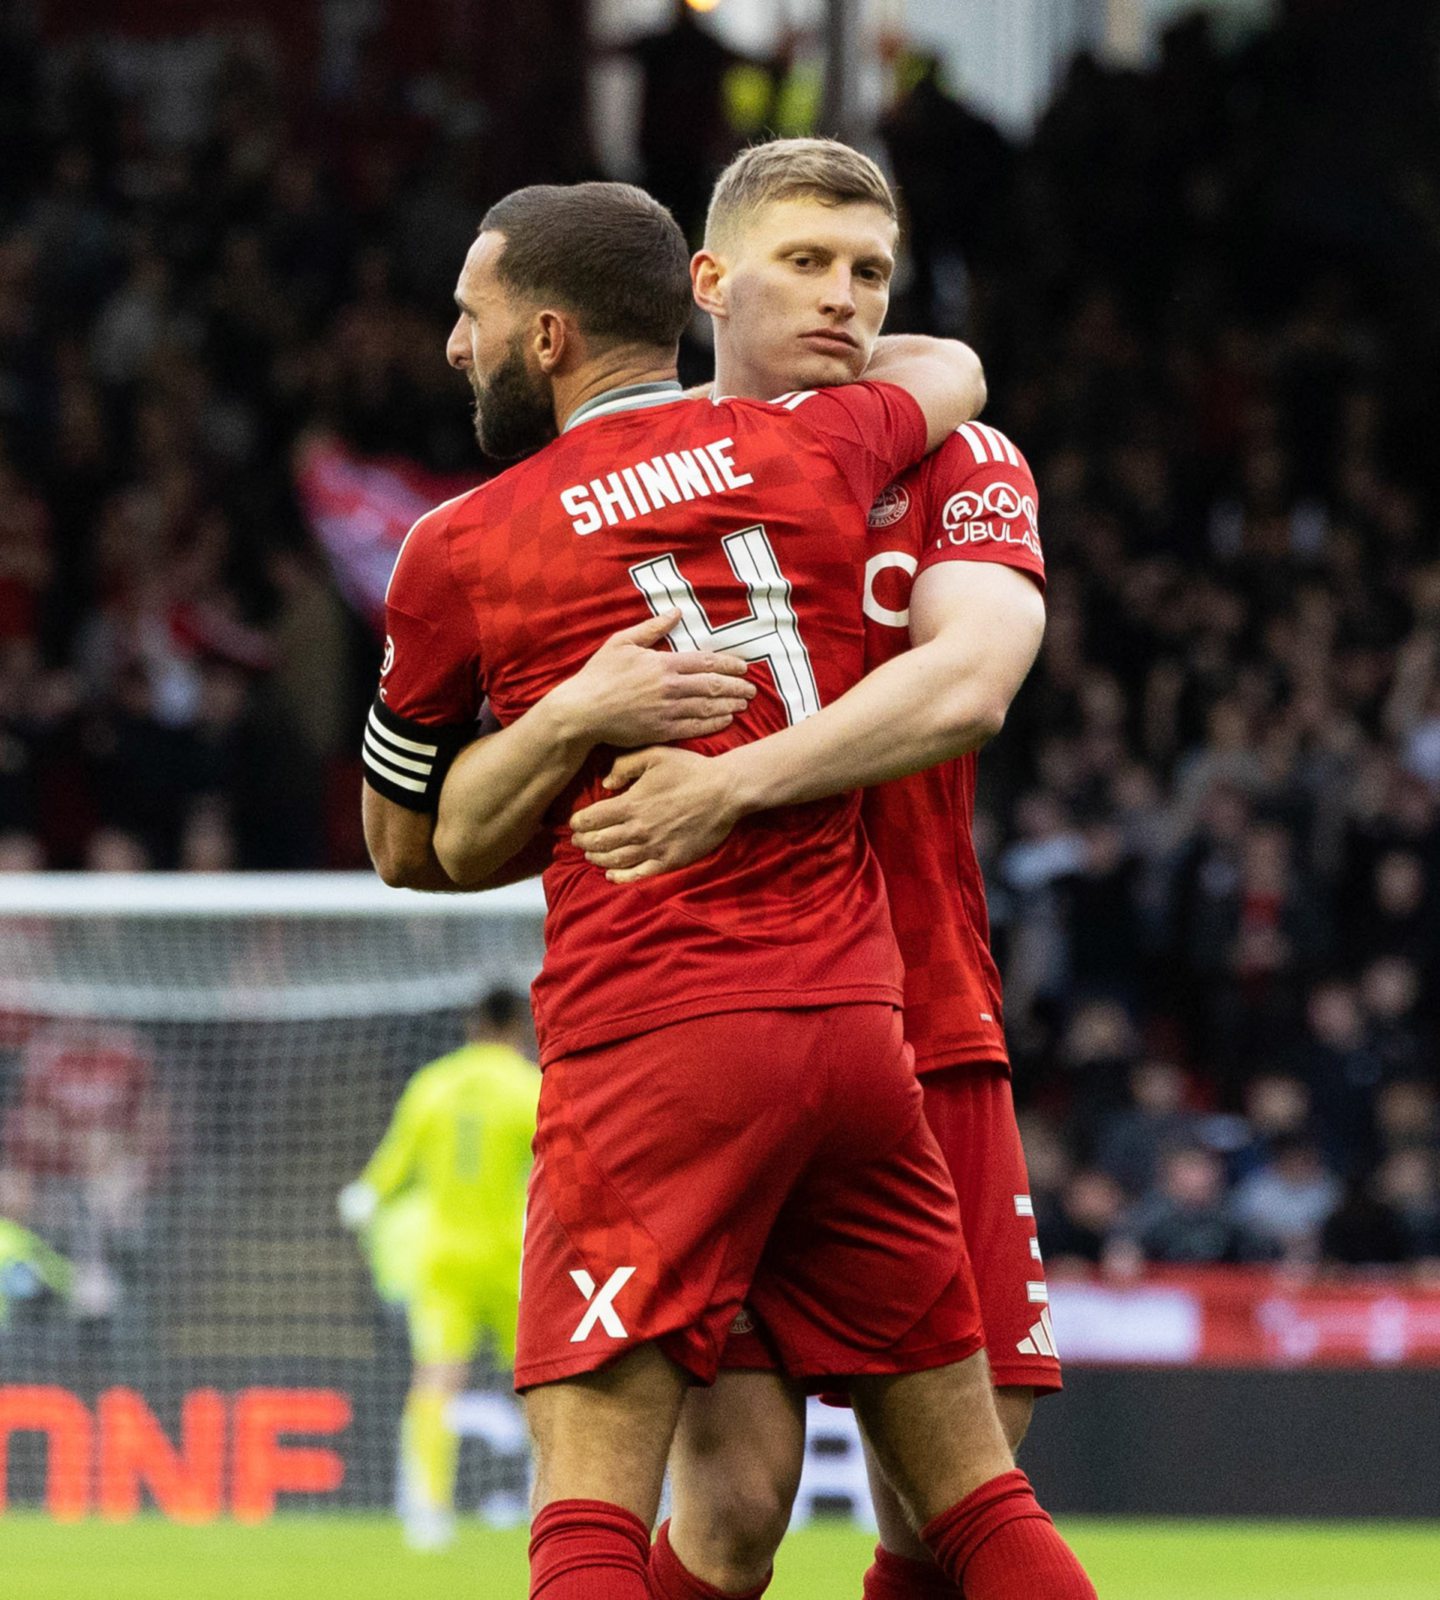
[819, 369]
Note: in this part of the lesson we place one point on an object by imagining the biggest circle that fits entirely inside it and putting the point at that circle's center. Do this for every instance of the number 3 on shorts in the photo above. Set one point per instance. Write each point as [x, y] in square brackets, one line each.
[769, 632]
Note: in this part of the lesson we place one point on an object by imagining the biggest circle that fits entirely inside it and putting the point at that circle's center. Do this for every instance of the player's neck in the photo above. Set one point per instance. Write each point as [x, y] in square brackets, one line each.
[617, 369]
[736, 378]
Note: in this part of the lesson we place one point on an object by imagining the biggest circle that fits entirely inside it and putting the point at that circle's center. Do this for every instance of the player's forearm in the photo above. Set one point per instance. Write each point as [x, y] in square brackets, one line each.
[498, 789]
[912, 712]
[401, 844]
[944, 375]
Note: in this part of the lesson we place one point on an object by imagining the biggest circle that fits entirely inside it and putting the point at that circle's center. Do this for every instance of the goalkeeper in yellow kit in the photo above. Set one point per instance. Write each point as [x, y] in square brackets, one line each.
[459, 1138]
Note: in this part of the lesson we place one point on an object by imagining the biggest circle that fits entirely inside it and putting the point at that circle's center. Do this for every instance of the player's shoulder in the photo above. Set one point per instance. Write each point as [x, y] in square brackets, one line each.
[493, 1059]
[429, 534]
[976, 459]
[424, 1081]
[510, 1067]
[803, 403]
[774, 409]
[975, 446]
[458, 509]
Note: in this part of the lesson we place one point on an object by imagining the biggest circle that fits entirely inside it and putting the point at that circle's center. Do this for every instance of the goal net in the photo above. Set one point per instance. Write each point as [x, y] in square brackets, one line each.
[190, 1070]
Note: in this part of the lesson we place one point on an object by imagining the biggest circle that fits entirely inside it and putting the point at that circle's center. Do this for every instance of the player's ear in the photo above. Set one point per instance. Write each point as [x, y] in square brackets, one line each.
[709, 282]
[552, 339]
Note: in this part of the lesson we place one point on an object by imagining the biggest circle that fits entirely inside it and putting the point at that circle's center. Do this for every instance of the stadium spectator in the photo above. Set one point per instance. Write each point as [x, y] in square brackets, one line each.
[1391, 991]
[1343, 1072]
[1277, 1106]
[686, 132]
[1075, 1233]
[84, 1138]
[1132, 1140]
[1366, 1229]
[1184, 1219]
[953, 167]
[1282, 1205]
[1409, 1182]
[1407, 1114]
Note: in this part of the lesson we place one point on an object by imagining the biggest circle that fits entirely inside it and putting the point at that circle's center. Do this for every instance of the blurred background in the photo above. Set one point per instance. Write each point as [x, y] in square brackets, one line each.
[1197, 248]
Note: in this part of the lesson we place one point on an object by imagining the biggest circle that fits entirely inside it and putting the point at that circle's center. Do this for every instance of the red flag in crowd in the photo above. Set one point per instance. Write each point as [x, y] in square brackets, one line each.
[360, 510]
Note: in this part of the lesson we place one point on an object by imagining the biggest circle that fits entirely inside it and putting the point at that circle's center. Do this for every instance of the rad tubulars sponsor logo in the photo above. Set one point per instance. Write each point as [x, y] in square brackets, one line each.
[999, 514]
[890, 507]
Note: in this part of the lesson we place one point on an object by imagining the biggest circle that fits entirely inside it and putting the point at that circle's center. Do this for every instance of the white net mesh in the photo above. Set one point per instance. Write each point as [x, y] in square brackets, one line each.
[189, 1072]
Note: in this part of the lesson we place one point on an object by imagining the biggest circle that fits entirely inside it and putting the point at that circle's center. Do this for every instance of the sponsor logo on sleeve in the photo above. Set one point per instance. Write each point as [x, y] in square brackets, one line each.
[389, 660]
[891, 506]
[998, 514]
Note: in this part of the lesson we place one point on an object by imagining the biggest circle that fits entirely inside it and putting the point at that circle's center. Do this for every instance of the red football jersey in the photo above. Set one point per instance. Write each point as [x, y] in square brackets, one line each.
[749, 517]
[974, 499]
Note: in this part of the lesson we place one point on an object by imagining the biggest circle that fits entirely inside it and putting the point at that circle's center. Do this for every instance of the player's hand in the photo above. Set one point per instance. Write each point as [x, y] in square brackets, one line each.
[631, 692]
[357, 1204]
[674, 806]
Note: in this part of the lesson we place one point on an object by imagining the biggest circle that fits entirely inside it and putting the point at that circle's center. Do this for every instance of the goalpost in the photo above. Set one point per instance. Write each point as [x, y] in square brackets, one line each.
[190, 1069]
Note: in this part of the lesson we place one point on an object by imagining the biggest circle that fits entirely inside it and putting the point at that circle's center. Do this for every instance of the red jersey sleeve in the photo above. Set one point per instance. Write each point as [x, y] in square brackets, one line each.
[981, 503]
[873, 430]
[431, 685]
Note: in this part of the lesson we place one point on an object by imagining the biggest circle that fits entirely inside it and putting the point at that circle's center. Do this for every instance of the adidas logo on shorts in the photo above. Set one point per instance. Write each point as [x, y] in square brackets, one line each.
[1042, 1339]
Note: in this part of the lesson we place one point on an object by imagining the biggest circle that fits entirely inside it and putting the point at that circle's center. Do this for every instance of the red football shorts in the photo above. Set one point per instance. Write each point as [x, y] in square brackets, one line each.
[972, 1112]
[778, 1160]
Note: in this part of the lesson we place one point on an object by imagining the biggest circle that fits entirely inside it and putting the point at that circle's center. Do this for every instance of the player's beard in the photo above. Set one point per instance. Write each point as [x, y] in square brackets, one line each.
[514, 413]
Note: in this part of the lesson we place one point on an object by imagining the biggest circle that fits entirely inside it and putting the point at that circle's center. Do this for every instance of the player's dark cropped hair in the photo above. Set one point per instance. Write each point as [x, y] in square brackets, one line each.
[499, 1010]
[605, 252]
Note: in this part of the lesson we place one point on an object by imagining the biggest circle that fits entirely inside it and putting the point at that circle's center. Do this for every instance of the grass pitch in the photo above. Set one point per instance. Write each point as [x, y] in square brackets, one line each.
[361, 1558]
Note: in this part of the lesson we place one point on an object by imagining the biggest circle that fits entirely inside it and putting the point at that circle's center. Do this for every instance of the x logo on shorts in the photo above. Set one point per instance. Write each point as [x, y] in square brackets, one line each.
[601, 1305]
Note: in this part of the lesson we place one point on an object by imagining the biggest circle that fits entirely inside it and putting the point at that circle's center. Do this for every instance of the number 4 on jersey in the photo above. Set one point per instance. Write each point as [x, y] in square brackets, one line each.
[769, 632]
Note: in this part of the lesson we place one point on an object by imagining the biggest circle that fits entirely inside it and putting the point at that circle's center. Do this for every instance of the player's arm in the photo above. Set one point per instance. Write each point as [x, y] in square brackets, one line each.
[400, 844]
[629, 693]
[943, 376]
[427, 707]
[392, 1166]
[976, 628]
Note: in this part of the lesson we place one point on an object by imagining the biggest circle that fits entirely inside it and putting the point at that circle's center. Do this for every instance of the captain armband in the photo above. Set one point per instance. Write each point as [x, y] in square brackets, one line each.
[407, 761]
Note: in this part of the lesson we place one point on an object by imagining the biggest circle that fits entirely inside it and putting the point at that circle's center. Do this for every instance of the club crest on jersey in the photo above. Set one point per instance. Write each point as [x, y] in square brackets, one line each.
[999, 514]
[892, 504]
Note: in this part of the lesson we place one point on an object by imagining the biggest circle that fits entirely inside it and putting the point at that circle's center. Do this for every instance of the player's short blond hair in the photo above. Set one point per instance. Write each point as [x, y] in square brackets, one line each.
[793, 169]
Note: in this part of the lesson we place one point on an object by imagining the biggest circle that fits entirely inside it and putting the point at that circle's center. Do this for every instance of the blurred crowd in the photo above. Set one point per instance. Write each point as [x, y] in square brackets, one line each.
[1203, 290]
[1214, 815]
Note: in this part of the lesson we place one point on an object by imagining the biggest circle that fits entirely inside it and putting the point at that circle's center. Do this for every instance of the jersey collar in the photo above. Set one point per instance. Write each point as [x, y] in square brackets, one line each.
[632, 397]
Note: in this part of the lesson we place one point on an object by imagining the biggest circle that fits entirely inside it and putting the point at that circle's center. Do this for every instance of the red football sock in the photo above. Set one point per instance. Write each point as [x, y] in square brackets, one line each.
[893, 1577]
[669, 1579]
[998, 1544]
[588, 1550]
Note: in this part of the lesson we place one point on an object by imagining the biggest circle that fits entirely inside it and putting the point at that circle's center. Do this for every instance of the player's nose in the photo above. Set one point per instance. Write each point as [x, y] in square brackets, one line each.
[457, 346]
[838, 298]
